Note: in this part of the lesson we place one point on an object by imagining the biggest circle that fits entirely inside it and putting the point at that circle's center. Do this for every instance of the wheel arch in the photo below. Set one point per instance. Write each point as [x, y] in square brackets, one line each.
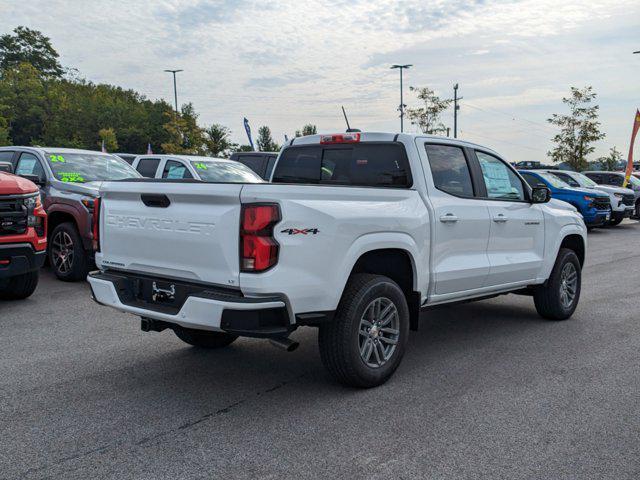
[397, 260]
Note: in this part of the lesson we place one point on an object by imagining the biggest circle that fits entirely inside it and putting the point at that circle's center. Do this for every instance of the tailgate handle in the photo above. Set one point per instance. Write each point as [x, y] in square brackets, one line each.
[155, 201]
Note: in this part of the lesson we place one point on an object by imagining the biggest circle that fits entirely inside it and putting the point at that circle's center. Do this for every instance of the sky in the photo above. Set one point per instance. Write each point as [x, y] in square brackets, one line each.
[285, 63]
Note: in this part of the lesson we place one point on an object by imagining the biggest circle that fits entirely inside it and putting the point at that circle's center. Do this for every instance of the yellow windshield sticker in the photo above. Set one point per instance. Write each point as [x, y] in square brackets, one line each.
[201, 166]
[70, 177]
[56, 158]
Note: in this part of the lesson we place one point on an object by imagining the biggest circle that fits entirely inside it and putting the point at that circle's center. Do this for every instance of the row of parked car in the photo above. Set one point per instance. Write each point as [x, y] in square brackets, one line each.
[68, 181]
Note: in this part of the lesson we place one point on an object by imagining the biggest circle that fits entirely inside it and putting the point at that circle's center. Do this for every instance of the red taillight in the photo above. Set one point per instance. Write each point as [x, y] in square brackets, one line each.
[339, 138]
[95, 230]
[258, 248]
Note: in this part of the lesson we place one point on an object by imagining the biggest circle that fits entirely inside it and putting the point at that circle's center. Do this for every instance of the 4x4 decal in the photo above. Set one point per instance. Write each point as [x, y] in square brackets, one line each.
[298, 231]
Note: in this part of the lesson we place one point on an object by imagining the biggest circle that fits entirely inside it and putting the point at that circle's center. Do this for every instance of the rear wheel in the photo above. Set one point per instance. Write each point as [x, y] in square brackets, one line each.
[67, 256]
[558, 298]
[20, 286]
[365, 342]
[205, 339]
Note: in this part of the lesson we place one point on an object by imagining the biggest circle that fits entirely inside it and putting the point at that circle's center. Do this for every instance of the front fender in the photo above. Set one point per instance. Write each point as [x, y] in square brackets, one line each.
[554, 247]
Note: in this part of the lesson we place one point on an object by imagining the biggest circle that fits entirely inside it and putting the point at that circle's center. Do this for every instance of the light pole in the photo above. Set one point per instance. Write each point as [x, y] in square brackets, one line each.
[175, 91]
[402, 105]
[456, 107]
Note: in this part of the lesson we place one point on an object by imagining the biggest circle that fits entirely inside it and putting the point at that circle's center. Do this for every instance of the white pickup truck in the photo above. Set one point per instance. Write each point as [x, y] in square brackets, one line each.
[355, 235]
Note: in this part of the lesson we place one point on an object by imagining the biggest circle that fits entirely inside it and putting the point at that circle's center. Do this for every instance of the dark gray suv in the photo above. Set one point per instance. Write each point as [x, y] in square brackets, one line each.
[69, 181]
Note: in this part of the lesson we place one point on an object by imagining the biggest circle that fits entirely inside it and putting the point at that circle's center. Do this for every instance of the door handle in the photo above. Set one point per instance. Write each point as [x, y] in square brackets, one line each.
[500, 218]
[448, 218]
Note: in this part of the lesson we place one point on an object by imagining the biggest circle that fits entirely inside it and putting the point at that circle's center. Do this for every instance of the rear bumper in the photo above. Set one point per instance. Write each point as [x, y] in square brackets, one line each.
[19, 258]
[201, 308]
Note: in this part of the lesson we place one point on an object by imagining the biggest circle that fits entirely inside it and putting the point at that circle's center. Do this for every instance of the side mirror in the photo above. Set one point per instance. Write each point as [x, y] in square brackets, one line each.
[540, 195]
[35, 179]
[6, 167]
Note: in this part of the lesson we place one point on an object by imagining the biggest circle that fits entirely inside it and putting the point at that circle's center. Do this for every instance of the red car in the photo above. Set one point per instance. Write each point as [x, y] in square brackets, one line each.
[23, 236]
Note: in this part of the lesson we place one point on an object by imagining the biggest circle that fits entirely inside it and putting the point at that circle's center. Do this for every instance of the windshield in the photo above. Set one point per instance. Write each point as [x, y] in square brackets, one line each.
[553, 180]
[88, 167]
[634, 181]
[225, 172]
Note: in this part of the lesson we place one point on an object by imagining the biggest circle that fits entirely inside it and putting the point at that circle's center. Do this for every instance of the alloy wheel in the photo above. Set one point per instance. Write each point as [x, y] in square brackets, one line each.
[568, 285]
[378, 332]
[62, 252]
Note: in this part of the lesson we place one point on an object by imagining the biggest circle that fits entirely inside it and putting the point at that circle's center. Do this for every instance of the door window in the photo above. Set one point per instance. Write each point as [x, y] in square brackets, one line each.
[615, 180]
[254, 162]
[533, 180]
[450, 169]
[28, 164]
[175, 170]
[501, 182]
[147, 167]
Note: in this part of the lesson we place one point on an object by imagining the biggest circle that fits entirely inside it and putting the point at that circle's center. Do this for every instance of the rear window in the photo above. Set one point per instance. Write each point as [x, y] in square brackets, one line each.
[254, 162]
[362, 165]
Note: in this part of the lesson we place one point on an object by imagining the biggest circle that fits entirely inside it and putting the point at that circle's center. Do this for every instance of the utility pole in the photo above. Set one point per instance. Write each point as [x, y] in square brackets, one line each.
[175, 90]
[456, 107]
[402, 105]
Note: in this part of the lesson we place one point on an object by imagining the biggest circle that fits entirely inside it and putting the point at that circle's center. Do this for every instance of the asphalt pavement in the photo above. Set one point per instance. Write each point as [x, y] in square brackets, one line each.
[486, 390]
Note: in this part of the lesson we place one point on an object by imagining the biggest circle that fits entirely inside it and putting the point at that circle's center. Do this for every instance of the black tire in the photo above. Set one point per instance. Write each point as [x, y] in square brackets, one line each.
[548, 297]
[205, 339]
[67, 256]
[20, 286]
[615, 221]
[637, 212]
[339, 340]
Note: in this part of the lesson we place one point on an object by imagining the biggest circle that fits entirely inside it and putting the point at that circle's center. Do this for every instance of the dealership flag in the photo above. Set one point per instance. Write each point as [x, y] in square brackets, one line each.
[104, 150]
[636, 127]
[149, 151]
[248, 130]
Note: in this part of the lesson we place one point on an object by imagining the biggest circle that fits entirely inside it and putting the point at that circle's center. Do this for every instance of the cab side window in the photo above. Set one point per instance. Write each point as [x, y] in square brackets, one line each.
[615, 180]
[147, 167]
[176, 170]
[501, 182]
[532, 180]
[450, 170]
[567, 178]
[28, 164]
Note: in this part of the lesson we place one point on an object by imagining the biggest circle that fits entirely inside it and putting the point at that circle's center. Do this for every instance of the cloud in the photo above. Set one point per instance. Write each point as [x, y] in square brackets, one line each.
[281, 80]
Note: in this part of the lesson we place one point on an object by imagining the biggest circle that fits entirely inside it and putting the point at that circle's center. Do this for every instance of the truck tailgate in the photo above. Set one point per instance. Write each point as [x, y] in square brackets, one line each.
[176, 230]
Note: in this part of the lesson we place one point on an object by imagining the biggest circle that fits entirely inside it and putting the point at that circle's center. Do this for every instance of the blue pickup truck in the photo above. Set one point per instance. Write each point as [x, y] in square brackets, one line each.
[595, 207]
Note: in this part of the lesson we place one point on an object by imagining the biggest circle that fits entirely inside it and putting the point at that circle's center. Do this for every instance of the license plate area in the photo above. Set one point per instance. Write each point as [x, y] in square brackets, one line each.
[167, 296]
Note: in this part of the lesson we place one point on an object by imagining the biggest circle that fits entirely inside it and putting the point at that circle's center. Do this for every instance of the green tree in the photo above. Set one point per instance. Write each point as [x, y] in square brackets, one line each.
[427, 117]
[29, 46]
[5, 138]
[308, 129]
[243, 148]
[24, 103]
[108, 136]
[218, 142]
[265, 141]
[611, 161]
[186, 137]
[578, 130]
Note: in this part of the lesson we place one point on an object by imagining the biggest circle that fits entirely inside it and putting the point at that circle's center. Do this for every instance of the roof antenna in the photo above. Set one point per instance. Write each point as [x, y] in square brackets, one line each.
[349, 129]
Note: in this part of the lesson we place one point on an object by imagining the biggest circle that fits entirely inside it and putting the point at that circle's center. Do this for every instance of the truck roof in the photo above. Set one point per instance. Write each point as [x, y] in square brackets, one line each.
[388, 137]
